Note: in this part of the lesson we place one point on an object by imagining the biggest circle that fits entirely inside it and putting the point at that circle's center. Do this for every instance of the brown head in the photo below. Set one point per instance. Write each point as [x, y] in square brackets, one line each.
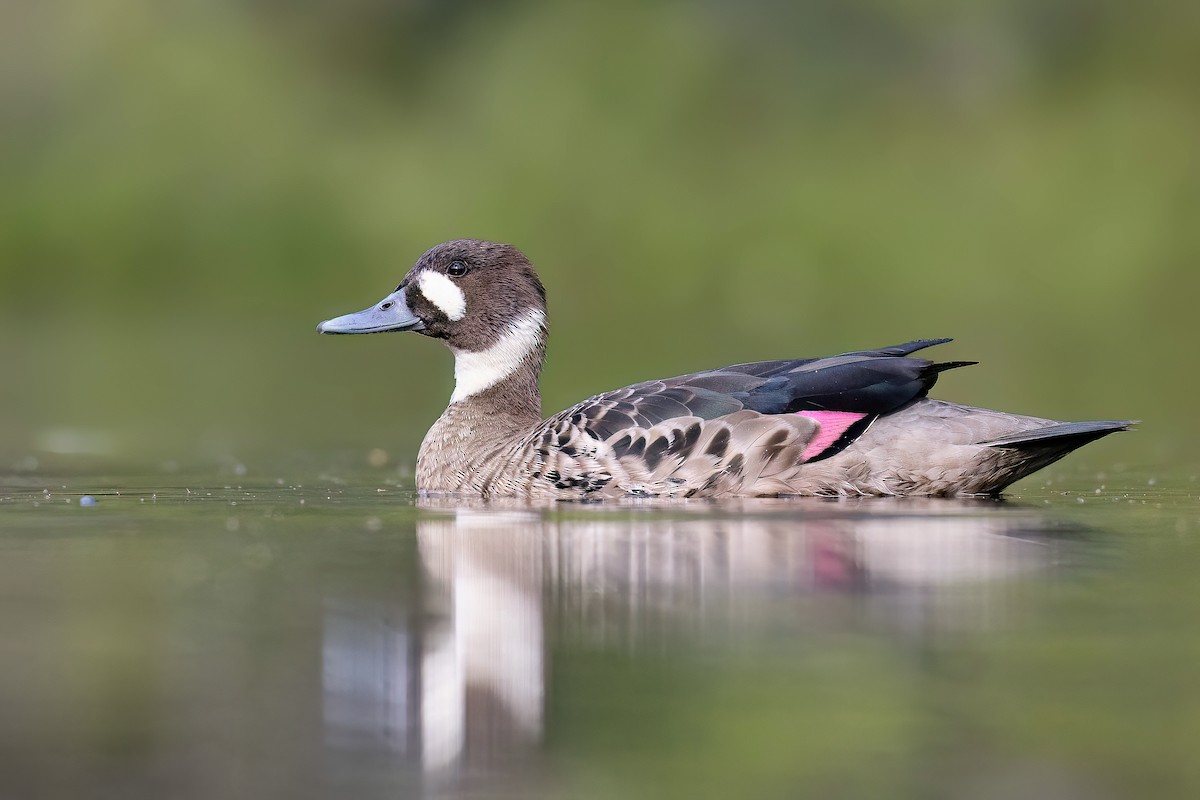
[483, 299]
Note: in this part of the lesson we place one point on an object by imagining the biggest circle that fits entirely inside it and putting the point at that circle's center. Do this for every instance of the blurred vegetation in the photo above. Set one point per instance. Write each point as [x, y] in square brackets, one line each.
[186, 188]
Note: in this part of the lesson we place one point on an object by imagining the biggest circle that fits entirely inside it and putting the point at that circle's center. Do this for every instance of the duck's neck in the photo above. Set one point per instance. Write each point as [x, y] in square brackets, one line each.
[514, 399]
[496, 402]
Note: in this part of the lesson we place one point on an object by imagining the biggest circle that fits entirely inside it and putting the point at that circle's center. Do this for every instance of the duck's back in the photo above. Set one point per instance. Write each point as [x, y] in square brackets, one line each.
[856, 423]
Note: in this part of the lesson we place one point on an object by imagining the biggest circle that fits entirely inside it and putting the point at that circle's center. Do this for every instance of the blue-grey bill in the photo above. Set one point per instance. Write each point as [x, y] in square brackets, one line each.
[389, 314]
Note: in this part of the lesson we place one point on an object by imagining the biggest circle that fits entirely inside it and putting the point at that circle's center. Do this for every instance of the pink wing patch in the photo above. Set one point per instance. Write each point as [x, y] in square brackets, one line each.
[833, 425]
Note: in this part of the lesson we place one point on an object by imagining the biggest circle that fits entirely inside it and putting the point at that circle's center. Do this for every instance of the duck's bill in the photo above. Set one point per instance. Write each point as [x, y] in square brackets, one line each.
[389, 314]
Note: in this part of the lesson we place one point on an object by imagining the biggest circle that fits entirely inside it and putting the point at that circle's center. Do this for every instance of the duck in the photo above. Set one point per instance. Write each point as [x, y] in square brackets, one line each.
[859, 423]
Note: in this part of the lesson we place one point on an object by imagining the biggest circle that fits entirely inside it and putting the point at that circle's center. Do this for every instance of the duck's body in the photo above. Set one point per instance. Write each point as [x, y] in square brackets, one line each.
[854, 424]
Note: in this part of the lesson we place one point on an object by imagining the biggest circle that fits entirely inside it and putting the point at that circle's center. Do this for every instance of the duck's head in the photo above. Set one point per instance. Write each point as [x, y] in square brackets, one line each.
[467, 292]
[483, 299]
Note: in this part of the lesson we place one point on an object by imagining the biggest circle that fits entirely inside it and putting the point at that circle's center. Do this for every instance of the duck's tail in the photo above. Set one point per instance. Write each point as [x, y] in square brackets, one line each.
[1063, 435]
[1027, 451]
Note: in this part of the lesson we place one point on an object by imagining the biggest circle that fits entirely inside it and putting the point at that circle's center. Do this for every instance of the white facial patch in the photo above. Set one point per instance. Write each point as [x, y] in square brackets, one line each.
[443, 293]
[474, 372]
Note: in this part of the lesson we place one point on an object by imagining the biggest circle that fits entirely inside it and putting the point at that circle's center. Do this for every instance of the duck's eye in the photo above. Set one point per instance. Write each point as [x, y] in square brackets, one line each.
[456, 269]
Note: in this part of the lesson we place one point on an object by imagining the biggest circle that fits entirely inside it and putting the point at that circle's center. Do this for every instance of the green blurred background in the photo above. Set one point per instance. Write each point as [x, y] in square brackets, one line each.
[187, 188]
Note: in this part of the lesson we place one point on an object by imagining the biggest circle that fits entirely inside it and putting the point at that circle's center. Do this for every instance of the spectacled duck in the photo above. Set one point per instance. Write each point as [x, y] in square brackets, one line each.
[858, 423]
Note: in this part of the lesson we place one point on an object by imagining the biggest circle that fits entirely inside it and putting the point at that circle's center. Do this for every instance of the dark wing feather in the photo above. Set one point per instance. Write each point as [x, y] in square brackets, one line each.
[866, 381]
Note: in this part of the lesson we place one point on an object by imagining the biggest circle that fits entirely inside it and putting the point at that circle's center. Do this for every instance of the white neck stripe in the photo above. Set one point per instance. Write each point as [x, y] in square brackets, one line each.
[475, 372]
[441, 291]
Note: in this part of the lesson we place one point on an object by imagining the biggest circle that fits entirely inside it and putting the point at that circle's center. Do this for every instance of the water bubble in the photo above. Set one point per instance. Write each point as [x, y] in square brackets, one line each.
[87, 500]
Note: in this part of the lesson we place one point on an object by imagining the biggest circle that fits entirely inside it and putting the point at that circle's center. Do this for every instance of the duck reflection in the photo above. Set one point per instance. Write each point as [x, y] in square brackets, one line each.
[499, 582]
[483, 666]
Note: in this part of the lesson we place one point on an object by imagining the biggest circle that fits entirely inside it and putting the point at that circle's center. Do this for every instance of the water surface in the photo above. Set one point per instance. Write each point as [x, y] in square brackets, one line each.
[231, 635]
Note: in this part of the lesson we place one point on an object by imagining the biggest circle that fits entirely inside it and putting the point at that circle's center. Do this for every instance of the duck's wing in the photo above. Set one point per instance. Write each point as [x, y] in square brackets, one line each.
[749, 421]
[868, 382]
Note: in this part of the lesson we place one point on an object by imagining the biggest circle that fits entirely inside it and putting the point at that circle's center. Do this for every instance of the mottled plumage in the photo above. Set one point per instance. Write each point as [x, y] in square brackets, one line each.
[852, 424]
